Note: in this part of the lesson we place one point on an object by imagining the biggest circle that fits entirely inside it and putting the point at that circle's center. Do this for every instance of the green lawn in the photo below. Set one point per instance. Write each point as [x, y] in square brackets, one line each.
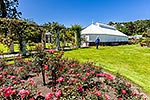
[131, 61]
[5, 49]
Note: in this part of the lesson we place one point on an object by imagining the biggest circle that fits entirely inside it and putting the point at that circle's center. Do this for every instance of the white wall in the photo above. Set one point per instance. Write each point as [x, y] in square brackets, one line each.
[106, 38]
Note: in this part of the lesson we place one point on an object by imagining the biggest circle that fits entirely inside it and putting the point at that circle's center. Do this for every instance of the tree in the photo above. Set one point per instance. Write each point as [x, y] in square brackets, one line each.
[17, 30]
[58, 32]
[8, 8]
[131, 28]
[111, 23]
[77, 30]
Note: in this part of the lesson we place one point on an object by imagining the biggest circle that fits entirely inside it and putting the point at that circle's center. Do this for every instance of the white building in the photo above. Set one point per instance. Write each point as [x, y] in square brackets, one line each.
[108, 35]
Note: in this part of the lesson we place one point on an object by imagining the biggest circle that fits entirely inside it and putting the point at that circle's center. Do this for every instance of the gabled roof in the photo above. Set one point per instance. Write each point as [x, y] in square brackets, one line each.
[99, 28]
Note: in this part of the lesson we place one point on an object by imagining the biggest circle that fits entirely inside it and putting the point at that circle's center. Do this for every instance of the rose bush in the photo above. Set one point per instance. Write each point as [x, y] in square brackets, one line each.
[68, 80]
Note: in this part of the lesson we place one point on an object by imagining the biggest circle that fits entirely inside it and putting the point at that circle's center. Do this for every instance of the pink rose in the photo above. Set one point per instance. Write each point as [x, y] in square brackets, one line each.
[60, 79]
[128, 84]
[46, 67]
[100, 75]
[22, 92]
[49, 95]
[83, 78]
[93, 72]
[134, 93]
[120, 98]
[106, 97]
[58, 93]
[0, 68]
[77, 75]
[31, 99]
[87, 74]
[8, 93]
[27, 92]
[14, 91]
[39, 93]
[80, 88]
[1, 77]
[109, 77]
[55, 98]
[123, 91]
[97, 93]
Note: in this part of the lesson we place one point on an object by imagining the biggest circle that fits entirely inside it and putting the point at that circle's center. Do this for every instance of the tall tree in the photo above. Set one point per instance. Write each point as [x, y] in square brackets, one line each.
[8, 8]
[77, 29]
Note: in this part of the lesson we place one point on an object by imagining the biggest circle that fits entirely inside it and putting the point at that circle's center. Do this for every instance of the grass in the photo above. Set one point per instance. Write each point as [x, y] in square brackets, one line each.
[131, 61]
[5, 49]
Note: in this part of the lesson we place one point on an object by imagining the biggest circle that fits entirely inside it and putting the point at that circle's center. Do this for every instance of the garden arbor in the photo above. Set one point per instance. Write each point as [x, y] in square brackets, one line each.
[46, 38]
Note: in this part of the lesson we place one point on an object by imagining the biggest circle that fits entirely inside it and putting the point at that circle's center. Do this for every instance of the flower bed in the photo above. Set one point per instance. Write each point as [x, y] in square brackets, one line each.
[67, 80]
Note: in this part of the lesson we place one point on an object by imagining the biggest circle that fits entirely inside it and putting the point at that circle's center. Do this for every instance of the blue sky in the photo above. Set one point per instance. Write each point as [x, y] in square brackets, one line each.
[82, 12]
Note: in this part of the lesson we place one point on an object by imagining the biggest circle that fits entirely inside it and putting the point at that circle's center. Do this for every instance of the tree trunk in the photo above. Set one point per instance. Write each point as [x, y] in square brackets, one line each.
[3, 9]
[57, 42]
[23, 49]
[43, 41]
[43, 75]
[12, 47]
[64, 41]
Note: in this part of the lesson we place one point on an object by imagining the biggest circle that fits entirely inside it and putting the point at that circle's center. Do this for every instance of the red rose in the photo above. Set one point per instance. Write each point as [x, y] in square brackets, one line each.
[14, 91]
[83, 78]
[0, 68]
[58, 56]
[1, 76]
[77, 75]
[27, 92]
[80, 88]
[87, 74]
[134, 93]
[58, 93]
[109, 77]
[48, 96]
[93, 72]
[60, 79]
[123, 91]
[39, 93]
[120, 98]
[97, 93]
[31, 99]
[100, 75]
[8, 93]
[106, 97]
[5, 72]
[128, 84]
[46, 67]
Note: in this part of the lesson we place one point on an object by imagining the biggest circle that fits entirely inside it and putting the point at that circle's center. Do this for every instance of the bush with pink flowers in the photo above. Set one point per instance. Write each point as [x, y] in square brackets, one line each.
[68, 80]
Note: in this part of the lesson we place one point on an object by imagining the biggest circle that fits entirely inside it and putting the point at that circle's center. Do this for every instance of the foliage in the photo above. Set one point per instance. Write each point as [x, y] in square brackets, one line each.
[132, 28]
[77, 31]
[66, 35]
[21, 30]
